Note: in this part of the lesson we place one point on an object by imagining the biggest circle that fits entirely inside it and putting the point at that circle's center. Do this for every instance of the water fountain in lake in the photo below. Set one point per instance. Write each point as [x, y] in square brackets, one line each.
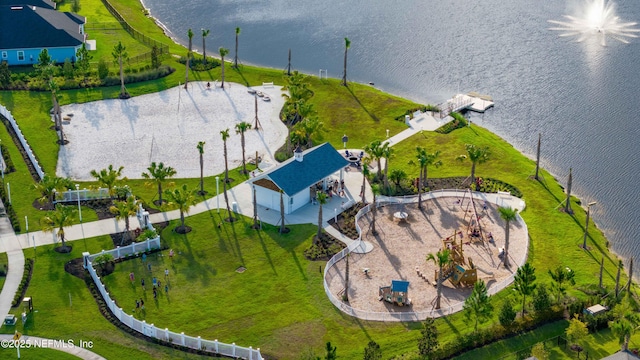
[597, 18]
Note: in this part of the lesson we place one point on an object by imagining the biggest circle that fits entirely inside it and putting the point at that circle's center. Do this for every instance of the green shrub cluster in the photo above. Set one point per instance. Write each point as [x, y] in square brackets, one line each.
[146, 75]
[472, 340]
[24, 283]
[489, 185]
[458, 122]
[410, 112]
[196, 64]
[7, 160]
[11, 213]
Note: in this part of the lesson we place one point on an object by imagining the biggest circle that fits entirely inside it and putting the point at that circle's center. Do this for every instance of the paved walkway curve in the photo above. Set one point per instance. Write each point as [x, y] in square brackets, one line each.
[27, 340]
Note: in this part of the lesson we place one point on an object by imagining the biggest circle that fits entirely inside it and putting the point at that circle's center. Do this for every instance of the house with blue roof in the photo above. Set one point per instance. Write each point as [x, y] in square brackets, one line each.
[299, 178]
[29, 26]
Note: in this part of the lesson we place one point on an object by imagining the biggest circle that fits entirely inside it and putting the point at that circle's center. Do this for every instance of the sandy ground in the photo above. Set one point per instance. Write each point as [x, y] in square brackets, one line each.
[166, 127]
[401, 247]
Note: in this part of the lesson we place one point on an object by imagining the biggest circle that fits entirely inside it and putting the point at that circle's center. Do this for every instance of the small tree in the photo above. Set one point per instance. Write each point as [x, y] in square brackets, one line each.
[477, 155]
[241, 128]
[541, 299]
[223, 52]
[205, 33]
[200, 147]
[331, 352]
[58, 219]
[576, 331]
[157, 174]
[123, 210]
[428, 340]
[5, 74]
[102, 260]
[626, 321]
[83, 61]
[540, 352]
[119, 55]
[189, 56]
[372, 351]
[49, 185]
[478, 305]
[75, 6]
[397, 175]
[156, 57]
[524, 282]
[182, 198]
[67, 69]
[561, 276]
[108, 178]
[507, 314]
[103, 69]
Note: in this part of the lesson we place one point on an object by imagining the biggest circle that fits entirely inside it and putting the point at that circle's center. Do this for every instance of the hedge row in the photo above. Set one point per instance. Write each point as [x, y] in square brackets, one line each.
[458, 122]
[7, 160]
[11, 213]
[24, 283]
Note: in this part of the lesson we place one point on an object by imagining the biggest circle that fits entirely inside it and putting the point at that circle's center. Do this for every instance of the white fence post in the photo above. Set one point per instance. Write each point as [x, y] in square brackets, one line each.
[182, 338]
[199, 343]
[215, 344]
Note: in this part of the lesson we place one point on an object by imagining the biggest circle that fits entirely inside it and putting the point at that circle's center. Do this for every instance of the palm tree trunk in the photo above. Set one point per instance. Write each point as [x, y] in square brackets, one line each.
[344, 75]
[235, 60]
[226, 165]
[364, 188]
[186, 71]
[201, 175]
[204, 52]
[255, 209]
[122, 91]
[244, 163]
[160, 192]
[473, 173]
[420, 190]
[506, 245]
[439, 288]
[386, 178]
[182, 219]
[379, 168]
[222, 64]
[61, 233]
[319, 223]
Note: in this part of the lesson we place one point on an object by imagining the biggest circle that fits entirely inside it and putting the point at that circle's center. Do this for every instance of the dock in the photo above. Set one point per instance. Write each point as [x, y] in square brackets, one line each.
[472, 101]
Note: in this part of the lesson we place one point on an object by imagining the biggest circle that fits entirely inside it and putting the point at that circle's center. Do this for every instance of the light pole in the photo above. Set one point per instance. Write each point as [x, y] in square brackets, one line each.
[345, 138]
[78, 197]
[586, 227]
[218, 192]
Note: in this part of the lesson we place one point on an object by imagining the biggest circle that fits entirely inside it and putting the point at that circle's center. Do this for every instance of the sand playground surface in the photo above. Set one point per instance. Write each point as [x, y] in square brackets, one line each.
[400, 249]
[166, 127]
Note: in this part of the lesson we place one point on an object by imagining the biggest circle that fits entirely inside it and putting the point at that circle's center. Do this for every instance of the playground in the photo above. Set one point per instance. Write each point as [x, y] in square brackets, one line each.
[403, 243]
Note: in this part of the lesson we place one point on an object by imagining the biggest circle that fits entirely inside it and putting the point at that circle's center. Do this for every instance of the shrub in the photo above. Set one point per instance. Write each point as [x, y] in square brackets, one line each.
[24, 283]
[507, 314]
[458, 122]
[103, 69]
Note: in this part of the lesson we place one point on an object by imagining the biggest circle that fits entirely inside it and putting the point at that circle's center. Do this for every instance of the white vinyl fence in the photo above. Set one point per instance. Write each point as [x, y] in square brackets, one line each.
[7, 114]
[83, 194]
[213, 346]
[500, 198]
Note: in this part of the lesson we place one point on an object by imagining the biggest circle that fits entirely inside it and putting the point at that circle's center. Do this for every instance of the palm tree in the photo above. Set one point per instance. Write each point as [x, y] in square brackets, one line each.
[108, 178]
[347, 45]
[57, 118]
[311, 126]
[223, 53]
[477, 155]
[186, 76]
[322, 199]
[240, 129]
[225, 136]
[524, 282]
[627, 321]
[375, 150]
[478, 304]
[58, 219]
[226, 200]
[119, 54]
[425, 160]
[375, 189]
[205, 33]
[397, 175]
[235, 60]
[256, 225]
[567, 204]
[158, 174]
[508, 215]
[200, 147]
[365, 174]
[48, 186]
[388, 153]
[123, 210]
[183, 198]
[560, 276]
[442, 259]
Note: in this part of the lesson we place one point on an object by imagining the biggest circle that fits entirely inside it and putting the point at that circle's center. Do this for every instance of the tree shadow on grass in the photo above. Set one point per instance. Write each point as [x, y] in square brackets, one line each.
[266, 251]
[355, 97]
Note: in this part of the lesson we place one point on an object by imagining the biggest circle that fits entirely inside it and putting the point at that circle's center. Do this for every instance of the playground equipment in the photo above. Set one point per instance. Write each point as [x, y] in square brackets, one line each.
[466, 277]
[474, 226]
[455, 271]
[397, 293]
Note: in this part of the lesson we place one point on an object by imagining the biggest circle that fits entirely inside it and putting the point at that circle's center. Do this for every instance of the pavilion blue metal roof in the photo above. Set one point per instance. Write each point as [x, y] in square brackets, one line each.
[317, 163]
[400, 286]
